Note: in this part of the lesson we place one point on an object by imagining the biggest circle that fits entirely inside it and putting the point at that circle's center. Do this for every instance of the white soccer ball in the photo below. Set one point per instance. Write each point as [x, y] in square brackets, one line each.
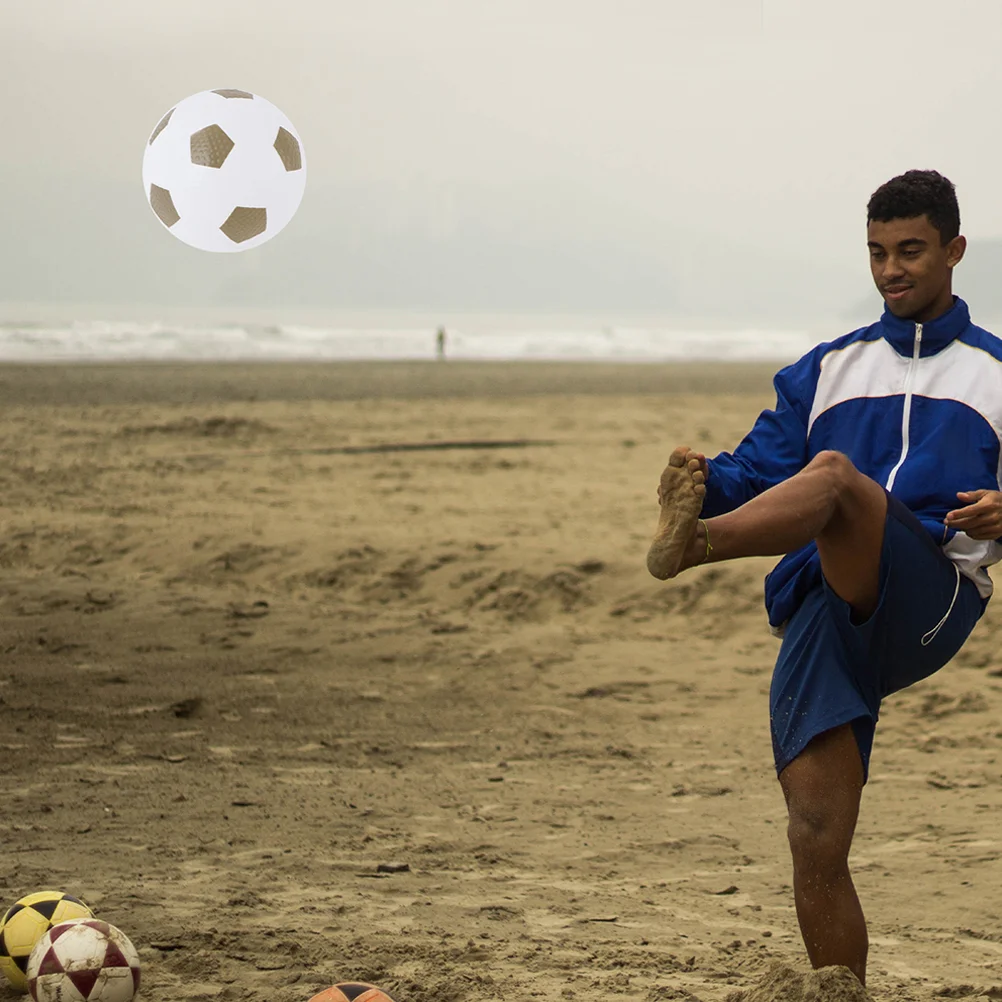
[83, 960]
[224, 170]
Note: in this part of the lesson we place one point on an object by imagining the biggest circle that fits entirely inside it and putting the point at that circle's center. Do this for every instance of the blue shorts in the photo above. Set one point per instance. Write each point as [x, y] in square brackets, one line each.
[832, 671]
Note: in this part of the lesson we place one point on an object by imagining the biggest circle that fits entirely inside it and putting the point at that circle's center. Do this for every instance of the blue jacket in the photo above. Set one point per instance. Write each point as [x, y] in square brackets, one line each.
[917, 407]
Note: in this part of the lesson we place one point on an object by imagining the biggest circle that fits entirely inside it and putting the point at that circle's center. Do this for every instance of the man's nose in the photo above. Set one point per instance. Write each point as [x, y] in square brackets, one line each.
[892, 268]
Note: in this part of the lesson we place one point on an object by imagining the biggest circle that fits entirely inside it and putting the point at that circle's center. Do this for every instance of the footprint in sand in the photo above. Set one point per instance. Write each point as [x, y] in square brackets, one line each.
[680, 495]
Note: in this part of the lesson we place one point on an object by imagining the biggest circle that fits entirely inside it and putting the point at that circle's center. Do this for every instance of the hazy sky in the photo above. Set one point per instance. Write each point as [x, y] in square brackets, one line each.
[707, 157]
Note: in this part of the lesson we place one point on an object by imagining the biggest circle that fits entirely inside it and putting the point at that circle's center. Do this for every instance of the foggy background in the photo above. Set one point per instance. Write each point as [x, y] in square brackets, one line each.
[706, 159]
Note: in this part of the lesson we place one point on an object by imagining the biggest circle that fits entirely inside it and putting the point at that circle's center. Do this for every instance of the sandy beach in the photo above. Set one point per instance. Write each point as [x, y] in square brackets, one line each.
[292, 705]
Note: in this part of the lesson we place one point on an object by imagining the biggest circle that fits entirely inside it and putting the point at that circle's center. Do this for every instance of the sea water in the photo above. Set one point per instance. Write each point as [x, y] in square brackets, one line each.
[542, 339]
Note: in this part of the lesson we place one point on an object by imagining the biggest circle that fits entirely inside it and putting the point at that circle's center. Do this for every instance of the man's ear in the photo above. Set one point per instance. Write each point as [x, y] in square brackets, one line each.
[955, 250]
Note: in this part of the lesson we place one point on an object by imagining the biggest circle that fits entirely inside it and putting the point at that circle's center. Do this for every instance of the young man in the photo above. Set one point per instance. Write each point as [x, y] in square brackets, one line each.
[877, 475]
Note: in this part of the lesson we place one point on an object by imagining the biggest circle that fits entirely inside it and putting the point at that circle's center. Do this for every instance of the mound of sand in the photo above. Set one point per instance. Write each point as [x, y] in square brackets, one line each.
[784, 984]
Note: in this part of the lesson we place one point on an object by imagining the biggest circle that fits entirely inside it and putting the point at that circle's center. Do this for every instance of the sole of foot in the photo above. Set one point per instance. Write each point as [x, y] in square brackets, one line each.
[680, 495]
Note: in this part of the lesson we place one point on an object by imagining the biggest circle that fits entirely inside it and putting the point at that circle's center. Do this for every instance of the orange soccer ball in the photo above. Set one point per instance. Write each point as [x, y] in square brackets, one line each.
[352, 991]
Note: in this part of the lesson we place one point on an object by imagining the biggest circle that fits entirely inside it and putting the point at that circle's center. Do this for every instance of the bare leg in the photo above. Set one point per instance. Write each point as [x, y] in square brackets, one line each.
[823, 786]
[843, 511]
[829, 501]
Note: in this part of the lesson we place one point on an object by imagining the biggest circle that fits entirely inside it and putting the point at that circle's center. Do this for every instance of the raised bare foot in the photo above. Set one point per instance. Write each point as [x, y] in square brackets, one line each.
[680, 495]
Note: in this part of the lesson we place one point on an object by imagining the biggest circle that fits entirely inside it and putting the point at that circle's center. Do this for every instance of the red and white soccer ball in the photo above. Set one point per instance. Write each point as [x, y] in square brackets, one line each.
[83, 960]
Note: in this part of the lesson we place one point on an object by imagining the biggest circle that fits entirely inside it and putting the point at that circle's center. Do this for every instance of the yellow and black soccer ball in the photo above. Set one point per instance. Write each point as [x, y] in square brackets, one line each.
[26, 922]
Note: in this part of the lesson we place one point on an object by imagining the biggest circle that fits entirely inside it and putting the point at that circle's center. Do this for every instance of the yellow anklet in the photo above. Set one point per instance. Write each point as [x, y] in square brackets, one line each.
[709, 549]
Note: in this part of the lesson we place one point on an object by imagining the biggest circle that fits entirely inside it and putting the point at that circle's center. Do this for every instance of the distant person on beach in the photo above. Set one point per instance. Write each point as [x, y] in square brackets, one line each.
[440, 344]
[877, 479]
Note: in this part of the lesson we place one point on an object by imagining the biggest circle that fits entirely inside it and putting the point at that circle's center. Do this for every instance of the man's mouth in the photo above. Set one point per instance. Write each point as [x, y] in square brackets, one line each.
[895, 292]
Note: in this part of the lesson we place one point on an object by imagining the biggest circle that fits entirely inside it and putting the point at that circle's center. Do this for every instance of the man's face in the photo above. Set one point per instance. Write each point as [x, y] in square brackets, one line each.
[911, 267]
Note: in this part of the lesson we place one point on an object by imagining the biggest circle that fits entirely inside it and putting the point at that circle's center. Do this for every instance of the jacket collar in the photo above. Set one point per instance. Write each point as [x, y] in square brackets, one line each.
[936, 334]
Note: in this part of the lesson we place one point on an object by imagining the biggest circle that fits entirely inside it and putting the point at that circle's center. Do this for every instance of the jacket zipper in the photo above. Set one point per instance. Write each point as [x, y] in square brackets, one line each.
[906, 415]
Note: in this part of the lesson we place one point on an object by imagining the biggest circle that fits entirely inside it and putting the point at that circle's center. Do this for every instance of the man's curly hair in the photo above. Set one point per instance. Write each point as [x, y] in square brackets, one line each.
[917, 193]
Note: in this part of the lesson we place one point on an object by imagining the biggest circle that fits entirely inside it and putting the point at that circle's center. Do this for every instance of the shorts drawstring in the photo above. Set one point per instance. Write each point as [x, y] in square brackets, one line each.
[931, 635]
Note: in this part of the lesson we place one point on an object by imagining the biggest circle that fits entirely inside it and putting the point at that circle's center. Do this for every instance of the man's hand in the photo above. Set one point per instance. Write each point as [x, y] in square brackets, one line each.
[682, 455]
[981, 517]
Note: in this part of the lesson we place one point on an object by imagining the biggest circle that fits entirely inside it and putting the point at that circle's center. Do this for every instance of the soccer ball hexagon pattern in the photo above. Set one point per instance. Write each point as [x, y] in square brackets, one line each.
[26, 922]
[84, 960]
[224, 170]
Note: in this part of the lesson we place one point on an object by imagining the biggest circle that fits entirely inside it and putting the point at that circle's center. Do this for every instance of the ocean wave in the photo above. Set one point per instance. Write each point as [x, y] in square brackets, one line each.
[126, 341]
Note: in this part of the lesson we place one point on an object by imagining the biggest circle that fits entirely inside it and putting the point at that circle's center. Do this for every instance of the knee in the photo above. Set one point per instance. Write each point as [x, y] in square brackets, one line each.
[837, 469]
[820, 836]
[836, 464]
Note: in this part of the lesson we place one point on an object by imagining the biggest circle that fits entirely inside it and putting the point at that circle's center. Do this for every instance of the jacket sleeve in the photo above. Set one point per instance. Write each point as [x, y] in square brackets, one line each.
[773, 451]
